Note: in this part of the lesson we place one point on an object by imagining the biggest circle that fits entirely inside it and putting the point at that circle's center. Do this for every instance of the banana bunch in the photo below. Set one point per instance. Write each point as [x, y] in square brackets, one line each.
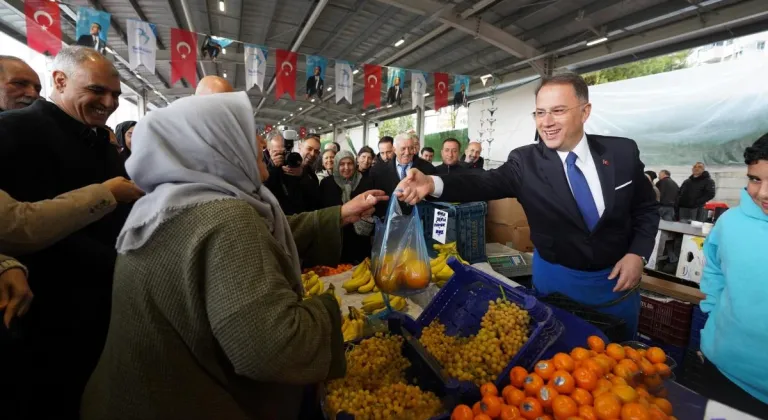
[353, 325]
[362, 279]
[441, 272]
[374, 304]
[313, 286]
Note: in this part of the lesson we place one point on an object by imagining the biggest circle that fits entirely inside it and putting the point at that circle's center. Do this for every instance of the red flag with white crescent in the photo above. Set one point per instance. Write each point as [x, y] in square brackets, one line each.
[441, 90]
[268, 128]
[43, 26]
[303, 132]
[286, 73]
[183, 56]
[372, 93]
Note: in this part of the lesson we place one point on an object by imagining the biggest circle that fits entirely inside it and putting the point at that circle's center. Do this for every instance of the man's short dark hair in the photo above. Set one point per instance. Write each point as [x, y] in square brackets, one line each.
[449, 139]
[387, 139]
[98, 25]
[428, 149]
[651, 174]
[665, 172]
[758, 151]
[573, 79]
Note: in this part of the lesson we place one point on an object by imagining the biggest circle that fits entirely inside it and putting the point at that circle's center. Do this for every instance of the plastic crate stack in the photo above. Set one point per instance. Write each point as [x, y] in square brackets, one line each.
[693, 361]
[666, 323]
[461, 304]
[466, 226]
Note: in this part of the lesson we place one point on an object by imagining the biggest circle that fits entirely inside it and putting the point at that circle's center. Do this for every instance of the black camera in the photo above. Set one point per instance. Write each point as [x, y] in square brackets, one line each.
[292, 159]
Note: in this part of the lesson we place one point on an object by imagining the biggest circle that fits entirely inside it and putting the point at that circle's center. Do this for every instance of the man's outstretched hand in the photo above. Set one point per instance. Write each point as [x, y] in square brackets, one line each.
[415, 186]
[363, 205]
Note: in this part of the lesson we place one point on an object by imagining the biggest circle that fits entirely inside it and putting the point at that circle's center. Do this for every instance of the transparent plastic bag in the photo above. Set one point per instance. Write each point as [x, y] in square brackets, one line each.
[400, 262]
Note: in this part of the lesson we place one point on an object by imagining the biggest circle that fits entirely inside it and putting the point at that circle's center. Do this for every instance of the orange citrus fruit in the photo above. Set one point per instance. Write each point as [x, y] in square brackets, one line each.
[585, 378]
[607, 406]
[663, 369]
[491, 406]
[517, 376]
[462, 412]
[580, 353]
[596, 344]
[626, 393]
[514, 397]
[563, 382]
[489, 389]
[582, 396]
[546, 395]
[597, 365]
[587, 412]
[634, 411]
[531, 408]
[656, 355]
[615, 351]
[545, 369]
[564, 362]
[533, 384]
[564, 407]
[663, 404]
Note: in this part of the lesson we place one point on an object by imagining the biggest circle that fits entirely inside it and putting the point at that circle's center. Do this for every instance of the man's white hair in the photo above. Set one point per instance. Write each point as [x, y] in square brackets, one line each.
[400, 138]
[69, 59]
[414, 136]
[274, 134]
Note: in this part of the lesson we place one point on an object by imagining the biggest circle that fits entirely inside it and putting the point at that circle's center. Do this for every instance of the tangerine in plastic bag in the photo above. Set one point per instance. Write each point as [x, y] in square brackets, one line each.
[400, 260]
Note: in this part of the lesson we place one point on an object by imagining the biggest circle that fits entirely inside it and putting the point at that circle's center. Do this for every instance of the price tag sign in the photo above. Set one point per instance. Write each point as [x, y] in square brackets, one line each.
[718, 411]
[440, 226]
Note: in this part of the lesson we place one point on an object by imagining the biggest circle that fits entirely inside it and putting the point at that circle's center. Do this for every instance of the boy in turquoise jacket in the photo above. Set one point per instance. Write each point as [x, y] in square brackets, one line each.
[735, 282]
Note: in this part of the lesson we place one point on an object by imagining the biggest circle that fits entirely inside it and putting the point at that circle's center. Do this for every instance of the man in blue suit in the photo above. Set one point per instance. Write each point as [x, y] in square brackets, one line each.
[593, 215]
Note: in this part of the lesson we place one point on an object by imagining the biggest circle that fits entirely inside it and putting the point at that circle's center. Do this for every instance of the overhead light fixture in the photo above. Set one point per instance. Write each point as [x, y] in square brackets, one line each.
[329, 89]
[331, 124]
[221, 6]
[312, 100]
[319, 128]
[363, 114]
[291, 113]
[426, 94]
[223, 50]
[389, 106]
[345, 120]
[300, 108]
[225, 75]
[597, 41]
[400, 42]
[355, 71]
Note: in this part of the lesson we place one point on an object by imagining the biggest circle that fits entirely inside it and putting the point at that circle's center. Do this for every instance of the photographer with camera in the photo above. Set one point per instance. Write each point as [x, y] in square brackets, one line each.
[291, 178]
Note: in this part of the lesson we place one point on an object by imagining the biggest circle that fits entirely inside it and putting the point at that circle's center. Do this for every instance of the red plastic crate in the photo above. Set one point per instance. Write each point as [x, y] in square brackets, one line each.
[665, 319]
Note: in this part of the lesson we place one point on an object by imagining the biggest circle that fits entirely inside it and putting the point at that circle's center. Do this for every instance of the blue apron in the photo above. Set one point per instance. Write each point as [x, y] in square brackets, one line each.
[590, 288]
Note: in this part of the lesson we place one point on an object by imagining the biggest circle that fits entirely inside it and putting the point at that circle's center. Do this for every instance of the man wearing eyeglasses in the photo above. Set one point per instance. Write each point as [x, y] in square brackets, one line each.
[592, 213]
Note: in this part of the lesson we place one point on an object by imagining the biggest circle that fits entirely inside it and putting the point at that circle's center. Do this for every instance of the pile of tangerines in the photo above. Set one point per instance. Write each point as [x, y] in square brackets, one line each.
[603, 382]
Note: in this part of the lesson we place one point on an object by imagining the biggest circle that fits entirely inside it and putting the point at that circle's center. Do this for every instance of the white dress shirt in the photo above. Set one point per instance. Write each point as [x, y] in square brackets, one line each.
[583, 162]
[587, 166]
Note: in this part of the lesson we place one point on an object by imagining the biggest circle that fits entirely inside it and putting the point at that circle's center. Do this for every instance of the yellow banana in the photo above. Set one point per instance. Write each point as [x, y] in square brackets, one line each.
[361, 268]
[397, 303]
[444, 274]
[368, 286]
[378, 297]
[354, 283]
[311, 282]
[436, 261]
[438, 268]
[370, 307]
[317, 288]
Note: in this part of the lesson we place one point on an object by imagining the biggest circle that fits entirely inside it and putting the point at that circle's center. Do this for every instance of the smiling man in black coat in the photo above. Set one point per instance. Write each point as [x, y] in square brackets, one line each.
[593, 214]
[48, 149]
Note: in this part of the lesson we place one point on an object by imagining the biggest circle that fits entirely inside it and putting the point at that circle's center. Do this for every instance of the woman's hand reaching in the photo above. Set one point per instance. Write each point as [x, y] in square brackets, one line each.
[363, 205]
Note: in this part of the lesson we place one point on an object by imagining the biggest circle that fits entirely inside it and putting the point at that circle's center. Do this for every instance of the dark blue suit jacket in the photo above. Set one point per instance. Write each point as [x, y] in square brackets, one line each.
[534, 175]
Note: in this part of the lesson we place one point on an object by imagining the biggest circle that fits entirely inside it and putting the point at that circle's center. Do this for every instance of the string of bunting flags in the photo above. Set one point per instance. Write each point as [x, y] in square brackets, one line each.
[43, 20]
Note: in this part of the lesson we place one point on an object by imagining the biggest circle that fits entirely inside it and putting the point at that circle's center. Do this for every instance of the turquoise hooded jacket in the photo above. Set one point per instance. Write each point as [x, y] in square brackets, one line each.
[735, 282]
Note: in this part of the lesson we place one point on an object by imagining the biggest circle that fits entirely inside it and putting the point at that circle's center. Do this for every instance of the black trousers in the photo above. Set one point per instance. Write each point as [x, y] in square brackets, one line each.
[716, 386]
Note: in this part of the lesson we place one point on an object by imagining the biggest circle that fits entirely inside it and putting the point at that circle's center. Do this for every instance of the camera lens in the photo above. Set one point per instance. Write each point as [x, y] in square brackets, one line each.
[293, 160]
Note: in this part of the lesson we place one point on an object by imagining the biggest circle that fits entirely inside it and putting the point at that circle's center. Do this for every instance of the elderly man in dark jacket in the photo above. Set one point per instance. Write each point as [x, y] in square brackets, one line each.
[694, 193]
[48, 149]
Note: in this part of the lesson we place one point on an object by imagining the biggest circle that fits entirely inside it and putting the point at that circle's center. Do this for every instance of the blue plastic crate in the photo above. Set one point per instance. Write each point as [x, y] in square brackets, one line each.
[466, 226]
[462, 302]
[698, 321]
[424, 371]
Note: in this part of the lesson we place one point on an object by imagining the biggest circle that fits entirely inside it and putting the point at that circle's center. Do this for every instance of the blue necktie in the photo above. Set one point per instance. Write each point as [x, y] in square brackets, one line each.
[402, 171]
[581, 192]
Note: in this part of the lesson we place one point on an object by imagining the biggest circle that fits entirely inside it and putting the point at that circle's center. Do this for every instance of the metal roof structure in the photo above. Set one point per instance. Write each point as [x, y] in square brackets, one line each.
[514, 40]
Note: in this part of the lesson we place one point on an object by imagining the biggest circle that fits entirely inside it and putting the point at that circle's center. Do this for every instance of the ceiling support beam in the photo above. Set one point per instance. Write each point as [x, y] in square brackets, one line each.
[332, 37]
[477, 27]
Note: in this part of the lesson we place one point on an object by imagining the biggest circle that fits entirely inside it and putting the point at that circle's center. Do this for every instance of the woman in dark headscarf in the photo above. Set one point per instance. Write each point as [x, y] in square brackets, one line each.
[365, 160]
[344, 184]
[124, 132]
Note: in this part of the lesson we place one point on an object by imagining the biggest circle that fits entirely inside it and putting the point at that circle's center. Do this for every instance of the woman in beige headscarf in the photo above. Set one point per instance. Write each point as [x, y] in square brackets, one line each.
[208, 320]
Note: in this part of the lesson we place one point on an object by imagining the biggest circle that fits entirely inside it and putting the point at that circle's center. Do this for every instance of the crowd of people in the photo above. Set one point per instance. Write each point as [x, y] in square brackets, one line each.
[683, 202]
[153, 271]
